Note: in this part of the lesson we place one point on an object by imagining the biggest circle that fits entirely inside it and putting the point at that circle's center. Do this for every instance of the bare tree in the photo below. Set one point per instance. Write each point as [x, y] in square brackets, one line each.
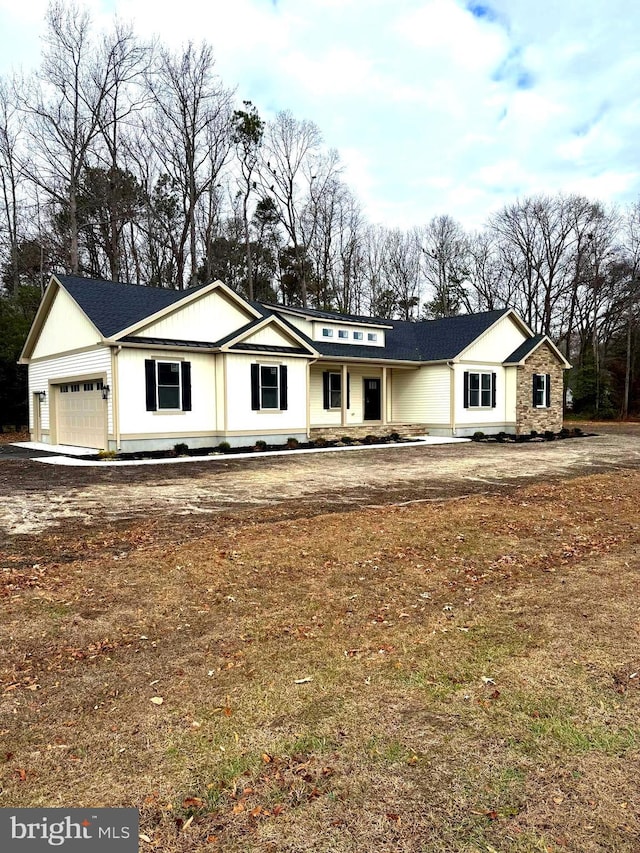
[286, 175]
[11, 175]
[445, 264]
[190, 133]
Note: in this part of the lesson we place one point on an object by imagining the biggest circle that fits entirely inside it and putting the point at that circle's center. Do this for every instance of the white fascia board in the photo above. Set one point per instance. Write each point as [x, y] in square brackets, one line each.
[41, 315]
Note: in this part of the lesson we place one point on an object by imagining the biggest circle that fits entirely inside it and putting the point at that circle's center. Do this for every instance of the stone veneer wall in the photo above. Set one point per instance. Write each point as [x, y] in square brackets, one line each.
[543, 360]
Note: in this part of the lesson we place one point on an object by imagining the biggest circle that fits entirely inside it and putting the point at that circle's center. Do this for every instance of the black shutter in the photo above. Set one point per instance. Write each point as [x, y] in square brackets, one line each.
[535, 386]
[186, 386]
[493, 390]
[548, 391]
[325, 390]
[255, 387]
[348, 390]
[150, 381]
[283, 387]
[466, 389]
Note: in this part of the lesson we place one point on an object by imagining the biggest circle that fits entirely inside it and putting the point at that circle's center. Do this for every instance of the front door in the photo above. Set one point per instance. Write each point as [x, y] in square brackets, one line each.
[372, 399]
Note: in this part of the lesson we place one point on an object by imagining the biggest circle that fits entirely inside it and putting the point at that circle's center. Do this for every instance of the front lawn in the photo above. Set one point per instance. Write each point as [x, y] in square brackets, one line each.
[441, 676]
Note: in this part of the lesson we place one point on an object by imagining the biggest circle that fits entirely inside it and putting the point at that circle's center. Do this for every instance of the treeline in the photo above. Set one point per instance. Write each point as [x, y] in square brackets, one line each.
[125, 160]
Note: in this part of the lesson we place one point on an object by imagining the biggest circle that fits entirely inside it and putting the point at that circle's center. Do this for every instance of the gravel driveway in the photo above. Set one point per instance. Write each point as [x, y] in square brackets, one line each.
[37, 497]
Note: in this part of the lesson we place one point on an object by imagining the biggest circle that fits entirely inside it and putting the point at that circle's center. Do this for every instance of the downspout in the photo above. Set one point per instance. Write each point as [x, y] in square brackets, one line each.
[452, 397]
[115, 400]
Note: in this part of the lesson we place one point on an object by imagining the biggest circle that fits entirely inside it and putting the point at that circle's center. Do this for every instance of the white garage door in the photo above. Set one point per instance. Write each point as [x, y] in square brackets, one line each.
[81, 414]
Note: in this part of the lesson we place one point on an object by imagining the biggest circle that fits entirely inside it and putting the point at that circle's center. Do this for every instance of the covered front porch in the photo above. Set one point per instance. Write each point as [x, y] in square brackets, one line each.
[355, 400]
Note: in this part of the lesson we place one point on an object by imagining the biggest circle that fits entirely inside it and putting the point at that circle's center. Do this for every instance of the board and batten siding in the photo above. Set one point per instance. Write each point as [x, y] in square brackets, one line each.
[422, 395]
[207, 319]
[497, 343]
[95, 362]
[270, 336]
[135, 420]
[66, 328]
[241, 417]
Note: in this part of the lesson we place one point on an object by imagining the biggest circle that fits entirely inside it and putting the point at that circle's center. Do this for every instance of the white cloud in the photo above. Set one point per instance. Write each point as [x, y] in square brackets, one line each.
[435, 105]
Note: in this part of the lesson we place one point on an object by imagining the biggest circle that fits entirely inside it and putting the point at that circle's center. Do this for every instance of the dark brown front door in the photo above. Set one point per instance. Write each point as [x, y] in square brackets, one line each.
[371, 399]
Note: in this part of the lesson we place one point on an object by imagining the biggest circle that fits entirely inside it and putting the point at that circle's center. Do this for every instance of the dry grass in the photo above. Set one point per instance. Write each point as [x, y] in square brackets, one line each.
[474, 676]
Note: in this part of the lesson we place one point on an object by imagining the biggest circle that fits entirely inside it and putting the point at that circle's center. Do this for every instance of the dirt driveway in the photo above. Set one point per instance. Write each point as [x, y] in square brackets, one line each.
[35, 497]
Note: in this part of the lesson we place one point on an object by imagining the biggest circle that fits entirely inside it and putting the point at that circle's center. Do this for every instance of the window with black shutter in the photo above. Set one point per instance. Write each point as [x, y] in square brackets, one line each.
[479, 390]
[167, 385]
[269, 387]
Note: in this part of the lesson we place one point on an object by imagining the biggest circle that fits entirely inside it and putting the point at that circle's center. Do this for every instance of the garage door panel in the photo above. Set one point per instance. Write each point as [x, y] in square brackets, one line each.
[81, 415]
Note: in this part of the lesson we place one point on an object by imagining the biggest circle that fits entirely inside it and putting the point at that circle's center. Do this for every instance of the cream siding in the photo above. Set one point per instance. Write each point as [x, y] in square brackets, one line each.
[497, 343]
[504, 411]
[134, 417]
[207, 319]
[422, 395]
[355, 413]
[240, 416]
[300, 323]
[54, 371]
[65, 329]
[270, 336]
[511, 387]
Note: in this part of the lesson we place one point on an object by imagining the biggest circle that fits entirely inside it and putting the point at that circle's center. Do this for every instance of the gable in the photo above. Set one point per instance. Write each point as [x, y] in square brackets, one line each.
[65, 328]
[270, 335]
[498, 342]
[208, 319]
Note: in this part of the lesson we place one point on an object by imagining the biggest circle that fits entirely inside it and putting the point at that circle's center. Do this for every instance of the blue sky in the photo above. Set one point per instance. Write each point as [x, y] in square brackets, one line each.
[436, 106]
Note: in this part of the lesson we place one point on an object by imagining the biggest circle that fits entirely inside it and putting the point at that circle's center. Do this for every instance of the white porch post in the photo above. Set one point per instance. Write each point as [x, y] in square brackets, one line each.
[383, 407]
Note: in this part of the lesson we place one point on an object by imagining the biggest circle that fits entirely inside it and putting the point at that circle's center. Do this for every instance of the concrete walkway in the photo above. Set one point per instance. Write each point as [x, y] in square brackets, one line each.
[70, 453]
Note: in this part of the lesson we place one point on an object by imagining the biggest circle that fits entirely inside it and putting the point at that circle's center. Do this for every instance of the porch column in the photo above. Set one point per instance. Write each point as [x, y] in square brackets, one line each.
[383, 407]
[343, 396]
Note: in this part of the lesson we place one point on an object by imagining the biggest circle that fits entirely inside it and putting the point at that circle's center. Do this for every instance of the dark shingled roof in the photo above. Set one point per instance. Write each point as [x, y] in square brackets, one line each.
[112, 306]
[333, 316]
[523, 350]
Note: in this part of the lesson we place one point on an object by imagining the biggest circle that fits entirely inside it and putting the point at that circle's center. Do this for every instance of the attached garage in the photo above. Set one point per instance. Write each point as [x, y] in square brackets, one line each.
[81, 414]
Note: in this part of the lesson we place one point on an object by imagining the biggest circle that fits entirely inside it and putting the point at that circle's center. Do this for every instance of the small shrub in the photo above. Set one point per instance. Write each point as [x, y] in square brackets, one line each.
[320, 442]
[181, 449]
[501, 437]
[534, 433]
[370, 439]
[394, 436]
[260, 445]
[346, 439]
[549, 435]
[224, 446]
[292, 443]
[107, 454]
[565, 433]
[478, 436]
[577, 431]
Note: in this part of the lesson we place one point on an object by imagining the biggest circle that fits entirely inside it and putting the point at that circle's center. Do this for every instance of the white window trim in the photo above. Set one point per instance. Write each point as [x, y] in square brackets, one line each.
[177, 408]
[358, 336]
[343, 334]
[327, 333]
[338, 390]
[372, 336]
[270, 387]
[542, 405]
[480, 374]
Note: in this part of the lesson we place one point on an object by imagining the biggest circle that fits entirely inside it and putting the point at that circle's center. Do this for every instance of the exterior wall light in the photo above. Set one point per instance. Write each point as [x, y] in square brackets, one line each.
[42, 396]
[105, 392]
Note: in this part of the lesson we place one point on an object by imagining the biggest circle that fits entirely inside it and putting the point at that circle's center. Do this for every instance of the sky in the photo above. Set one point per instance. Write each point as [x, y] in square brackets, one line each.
[435, 106]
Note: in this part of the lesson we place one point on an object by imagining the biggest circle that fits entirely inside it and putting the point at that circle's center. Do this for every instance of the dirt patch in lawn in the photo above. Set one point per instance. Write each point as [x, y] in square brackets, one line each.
[442, 676]
[40, 497]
